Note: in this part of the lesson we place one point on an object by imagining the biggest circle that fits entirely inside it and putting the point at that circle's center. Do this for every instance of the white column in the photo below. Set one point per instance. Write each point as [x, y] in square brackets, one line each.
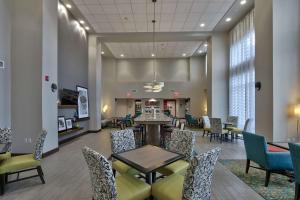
[50, 37]
[217, 75]
[95, 70]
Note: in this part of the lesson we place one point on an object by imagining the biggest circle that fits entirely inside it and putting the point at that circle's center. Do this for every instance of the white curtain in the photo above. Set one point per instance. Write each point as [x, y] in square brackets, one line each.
[242, 71]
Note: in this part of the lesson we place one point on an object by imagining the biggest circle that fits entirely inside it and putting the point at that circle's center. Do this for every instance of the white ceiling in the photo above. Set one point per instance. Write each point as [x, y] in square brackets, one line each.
[145, 49]
[136, 15]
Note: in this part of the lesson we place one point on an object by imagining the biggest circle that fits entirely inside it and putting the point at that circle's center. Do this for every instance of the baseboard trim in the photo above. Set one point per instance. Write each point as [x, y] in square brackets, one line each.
[73, 137]
[48, 153]
[94, 131]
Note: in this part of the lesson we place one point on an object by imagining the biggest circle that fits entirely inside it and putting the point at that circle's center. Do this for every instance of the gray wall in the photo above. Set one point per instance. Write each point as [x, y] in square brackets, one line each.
[277, 29]
[5, 81]
[263, 67]
[72, 58]
[192, 87]
[26, 62]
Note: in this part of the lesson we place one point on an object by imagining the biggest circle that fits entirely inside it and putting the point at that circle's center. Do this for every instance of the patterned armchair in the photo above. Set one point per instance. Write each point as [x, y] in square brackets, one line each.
[106, 187]
[195, 185]
[216, 129]
[181, 142]
[27, 162]
[5, 138]
[122, 140]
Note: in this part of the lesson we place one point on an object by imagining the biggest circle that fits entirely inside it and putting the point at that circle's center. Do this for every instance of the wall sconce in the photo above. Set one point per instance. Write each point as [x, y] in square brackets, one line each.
[258, 86]
[105, 108]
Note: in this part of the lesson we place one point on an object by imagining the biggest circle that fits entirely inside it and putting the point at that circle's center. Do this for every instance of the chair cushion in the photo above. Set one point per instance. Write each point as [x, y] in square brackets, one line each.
[131, 188]
[207, 129]
[18, 163]
[123, 168]
[179, 166]
[5, 156]
[169, 188]
[234, 129]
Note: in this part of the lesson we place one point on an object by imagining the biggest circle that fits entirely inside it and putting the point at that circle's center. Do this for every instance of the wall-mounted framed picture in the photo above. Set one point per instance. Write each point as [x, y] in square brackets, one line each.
[61, 124]
[83, 102]
[69, 124]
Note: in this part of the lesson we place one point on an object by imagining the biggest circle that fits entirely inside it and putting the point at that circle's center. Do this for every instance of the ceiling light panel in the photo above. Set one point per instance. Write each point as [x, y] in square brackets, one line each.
[145, 49]
[172, 16]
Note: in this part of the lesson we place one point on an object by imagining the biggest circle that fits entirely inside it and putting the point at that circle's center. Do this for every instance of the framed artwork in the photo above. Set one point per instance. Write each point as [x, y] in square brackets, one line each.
[69, 124]
[61, 124]
[83, 102]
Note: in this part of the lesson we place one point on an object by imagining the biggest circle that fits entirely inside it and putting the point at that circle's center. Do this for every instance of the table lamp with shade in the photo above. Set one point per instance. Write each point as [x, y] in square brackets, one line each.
[297, 114]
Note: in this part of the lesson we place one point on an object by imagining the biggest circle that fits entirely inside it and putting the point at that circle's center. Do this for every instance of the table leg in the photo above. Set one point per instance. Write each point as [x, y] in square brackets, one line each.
[153, 177]
[149, 178]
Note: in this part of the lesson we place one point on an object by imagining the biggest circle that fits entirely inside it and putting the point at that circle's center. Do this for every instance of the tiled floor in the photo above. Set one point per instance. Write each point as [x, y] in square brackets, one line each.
[67, 175]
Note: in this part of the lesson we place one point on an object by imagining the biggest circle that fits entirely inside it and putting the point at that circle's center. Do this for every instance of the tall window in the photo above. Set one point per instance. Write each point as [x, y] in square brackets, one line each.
[242, 71]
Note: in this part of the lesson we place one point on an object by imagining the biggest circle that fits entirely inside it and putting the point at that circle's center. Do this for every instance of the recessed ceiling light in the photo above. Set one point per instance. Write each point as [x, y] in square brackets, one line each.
[102, 52]
[228, 19]
[243, 2]
[202, 25]
[122, 55]
[68, 6]
[81, 22]
[184, 54]
[206, 45]
[87, 28]
[153, 55]
[200, 51]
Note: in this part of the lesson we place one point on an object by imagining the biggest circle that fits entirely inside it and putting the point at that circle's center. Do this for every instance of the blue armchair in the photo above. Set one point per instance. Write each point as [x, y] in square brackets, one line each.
[272, 162]
[295, 154]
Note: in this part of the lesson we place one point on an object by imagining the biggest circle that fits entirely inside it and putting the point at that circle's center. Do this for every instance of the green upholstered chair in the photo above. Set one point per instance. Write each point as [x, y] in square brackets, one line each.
[182, 142]
[295, 154]
[206, 125]
[27, 162]
[196, 184]
[5, 138]
[122, 140]
[106, 187]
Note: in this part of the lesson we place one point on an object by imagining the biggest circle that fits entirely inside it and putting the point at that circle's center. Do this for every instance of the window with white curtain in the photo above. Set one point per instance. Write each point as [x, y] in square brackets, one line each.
[242, 71]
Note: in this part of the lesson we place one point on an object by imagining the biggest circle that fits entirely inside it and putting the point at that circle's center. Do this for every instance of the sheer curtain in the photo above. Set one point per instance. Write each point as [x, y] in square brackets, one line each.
[242, 71]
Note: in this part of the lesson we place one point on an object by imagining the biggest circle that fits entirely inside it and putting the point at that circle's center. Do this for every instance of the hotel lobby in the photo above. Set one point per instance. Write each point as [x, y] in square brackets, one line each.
[149, 99]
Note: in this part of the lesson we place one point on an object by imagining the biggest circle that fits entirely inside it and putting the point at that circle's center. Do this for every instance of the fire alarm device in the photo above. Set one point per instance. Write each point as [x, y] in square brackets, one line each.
[46, 78]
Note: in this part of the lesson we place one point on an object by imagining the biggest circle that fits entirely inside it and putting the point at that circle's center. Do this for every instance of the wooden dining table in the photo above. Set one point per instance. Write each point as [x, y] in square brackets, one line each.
[148, 159]
[153, 124]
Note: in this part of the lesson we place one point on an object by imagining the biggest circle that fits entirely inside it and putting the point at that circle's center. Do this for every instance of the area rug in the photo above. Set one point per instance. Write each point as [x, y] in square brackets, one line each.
[279, 187]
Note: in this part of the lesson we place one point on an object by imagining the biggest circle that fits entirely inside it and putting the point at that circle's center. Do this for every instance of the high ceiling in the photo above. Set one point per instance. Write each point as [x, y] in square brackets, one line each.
[136, 15]
[145, 49]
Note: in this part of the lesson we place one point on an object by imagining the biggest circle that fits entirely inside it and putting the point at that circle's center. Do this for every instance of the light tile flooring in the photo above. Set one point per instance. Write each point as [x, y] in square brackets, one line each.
[67, 176]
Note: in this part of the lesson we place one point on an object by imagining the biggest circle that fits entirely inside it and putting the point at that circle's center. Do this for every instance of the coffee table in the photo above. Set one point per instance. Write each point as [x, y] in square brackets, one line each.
[148, 159]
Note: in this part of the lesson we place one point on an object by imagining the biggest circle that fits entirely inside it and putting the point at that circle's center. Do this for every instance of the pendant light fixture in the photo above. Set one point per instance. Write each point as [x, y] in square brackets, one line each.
[154, 86]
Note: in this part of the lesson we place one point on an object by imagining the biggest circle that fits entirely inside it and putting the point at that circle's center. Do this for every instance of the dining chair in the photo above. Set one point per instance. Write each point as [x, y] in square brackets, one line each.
[182, 126]
[217, 130]
[181, 142]
[5, 138]
[27, 162]
[246, 128]
[122, 140]
[106, 187]
[196, 184]
[272, 162]
[206, 125]
[295, 155]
